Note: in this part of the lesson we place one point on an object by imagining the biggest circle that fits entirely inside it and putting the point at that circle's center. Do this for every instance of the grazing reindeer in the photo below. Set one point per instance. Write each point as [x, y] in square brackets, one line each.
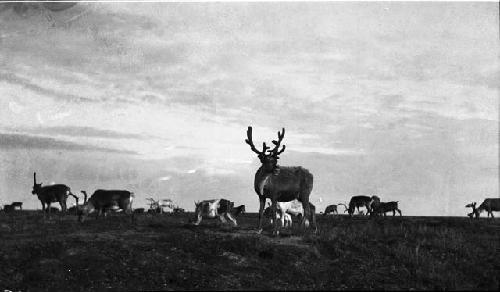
[211, 209]
[279, 183]
[378, 207]
[50, 194]
[330, 209]
[359, 201]
[102, 200]
[490, 205]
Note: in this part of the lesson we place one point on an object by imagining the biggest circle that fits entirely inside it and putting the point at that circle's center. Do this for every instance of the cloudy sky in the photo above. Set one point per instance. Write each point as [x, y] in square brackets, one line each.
[395, 99]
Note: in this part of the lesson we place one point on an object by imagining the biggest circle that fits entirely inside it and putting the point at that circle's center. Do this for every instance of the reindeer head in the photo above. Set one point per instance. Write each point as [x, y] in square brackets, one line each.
[269, 160]
[471, 205]
[36, 187]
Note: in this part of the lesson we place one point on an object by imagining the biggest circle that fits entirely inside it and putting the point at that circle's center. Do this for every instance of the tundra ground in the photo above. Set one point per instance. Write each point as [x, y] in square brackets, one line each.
[164, 252]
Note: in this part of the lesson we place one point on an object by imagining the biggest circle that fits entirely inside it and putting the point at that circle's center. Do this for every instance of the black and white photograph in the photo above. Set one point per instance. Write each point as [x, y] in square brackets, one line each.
[249, 145]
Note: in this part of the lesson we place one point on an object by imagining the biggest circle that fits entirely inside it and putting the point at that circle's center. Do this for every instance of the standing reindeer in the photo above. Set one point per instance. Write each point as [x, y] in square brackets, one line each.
[50, 194]
[280, 183]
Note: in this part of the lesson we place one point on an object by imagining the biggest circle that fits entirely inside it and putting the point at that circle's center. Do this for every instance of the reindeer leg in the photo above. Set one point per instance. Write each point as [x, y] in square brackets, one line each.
[274, 208]
[43, 210]
[63, 206]
[262, 201]
[307, 212]
[222, 219]
[282, 218]
[198, 221]
[312, 211]
[232, 219]
[48, 208]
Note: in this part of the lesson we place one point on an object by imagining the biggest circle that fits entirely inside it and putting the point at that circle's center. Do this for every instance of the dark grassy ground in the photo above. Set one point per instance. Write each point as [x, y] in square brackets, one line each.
[163, 252]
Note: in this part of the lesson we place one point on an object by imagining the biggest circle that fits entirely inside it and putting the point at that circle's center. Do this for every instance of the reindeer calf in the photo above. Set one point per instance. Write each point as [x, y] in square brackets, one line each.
[384, 207]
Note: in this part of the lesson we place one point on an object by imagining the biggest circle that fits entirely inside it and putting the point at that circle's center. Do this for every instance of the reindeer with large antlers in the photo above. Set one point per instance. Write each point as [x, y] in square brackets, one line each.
[280, 183]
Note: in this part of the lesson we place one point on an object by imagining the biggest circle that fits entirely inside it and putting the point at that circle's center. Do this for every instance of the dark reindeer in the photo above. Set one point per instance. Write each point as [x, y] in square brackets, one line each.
[378, 207]
[359, 201]
[103, 200]
[489, 205]
[17, 205]
[51, 194]
[280, 183]
[330, 209]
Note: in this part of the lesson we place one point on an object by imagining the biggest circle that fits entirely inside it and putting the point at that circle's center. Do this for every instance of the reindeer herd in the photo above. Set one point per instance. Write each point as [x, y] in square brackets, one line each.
[287, 187]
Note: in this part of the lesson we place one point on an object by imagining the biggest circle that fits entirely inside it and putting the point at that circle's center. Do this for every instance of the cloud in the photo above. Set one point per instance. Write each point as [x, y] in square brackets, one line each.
[18, 141]
[48, 92]
[76, 131]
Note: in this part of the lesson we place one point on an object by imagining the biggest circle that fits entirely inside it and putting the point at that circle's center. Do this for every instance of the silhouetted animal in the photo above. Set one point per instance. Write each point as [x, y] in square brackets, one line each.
[8, 208]
[103, 200]
[50, 194]
[384, 207]
[489, 205]
[279, 183]
[359, 201]
[330, 209]
[17, 205]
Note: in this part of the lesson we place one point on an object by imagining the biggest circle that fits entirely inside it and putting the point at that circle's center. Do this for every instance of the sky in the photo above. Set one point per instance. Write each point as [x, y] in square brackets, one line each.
[397, 99]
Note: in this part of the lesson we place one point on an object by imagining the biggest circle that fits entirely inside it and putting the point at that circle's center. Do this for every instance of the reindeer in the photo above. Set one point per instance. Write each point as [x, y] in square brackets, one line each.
[280, 183]
[283, 217]
[8, 208]
[384, 207]
[211, 209]
[490, 205]
[50, 194]
[102, 200]
[359, 201]
[330, 209]
[17, 205]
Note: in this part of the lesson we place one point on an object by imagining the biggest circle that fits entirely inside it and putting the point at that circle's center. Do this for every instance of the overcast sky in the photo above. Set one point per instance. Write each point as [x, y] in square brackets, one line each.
[395, 99]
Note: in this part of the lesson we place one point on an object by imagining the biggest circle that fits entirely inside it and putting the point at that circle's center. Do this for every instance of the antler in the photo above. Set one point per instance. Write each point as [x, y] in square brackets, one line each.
[252, 146]
[345, 206]
[275, 151]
